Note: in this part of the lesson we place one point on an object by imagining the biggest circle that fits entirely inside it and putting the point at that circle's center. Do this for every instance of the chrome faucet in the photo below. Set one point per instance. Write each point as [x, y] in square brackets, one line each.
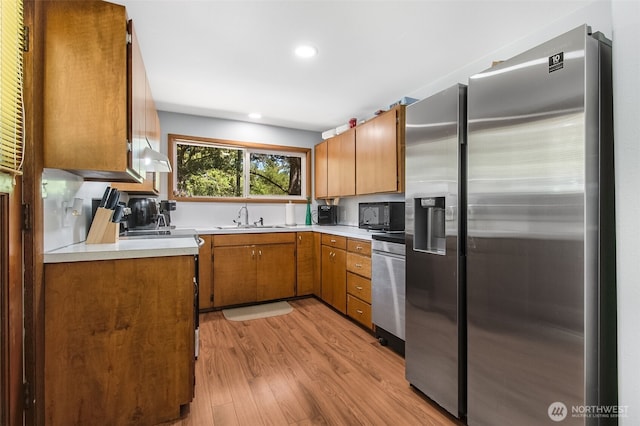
[245, 222]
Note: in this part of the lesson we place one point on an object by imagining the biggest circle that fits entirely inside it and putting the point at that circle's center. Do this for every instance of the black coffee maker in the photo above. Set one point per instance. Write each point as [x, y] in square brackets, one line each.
[166, 207]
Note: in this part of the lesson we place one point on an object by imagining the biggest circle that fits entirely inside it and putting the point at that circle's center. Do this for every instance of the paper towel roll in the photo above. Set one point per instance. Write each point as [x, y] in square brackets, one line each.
[290, 214]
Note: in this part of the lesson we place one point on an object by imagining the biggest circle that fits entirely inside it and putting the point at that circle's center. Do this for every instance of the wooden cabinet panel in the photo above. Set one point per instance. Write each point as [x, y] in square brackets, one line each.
[234, 275]
[121, 333]
[317, 264]
[276, 271]
[87, 118]
[205, 274]
[359, 311]
[138, 102]
[305, 256]
[149, 186]
[359, 264]
[379, 153]
[359, 246]
[341, 172]
[359, 281]
[253, 239]
[253, 267]
[334, 277]
[359, 286]
[334, 241]
[320, 167]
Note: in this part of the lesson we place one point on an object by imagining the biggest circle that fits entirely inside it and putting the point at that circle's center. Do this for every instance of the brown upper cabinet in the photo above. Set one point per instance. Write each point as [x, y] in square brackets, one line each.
[337, 173]
[95, 104]
[367, 159]
[380, 153]
[320, 162]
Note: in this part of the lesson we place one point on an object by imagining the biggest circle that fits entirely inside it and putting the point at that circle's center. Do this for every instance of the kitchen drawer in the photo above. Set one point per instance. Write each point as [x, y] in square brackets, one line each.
[358, 264]
[359, 310]
[359, 286]
[334, 241]
[359, 246]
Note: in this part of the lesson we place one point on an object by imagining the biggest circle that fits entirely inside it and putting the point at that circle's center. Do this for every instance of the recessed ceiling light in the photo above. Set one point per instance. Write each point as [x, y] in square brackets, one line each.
[306, 51]
[255, 115]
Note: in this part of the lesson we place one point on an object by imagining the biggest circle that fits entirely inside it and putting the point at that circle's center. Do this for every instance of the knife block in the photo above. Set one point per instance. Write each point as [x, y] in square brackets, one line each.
[102, 230]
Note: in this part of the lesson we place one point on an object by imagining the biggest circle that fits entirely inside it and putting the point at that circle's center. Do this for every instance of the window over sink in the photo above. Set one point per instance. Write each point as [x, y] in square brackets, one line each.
[207, 169]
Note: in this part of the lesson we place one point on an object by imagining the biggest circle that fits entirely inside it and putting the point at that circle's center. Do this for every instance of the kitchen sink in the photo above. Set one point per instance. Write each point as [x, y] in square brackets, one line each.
[251, 227]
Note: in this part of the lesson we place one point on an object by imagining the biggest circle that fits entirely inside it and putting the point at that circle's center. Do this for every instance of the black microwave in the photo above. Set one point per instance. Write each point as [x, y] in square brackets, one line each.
[381, 216]
[327, 215]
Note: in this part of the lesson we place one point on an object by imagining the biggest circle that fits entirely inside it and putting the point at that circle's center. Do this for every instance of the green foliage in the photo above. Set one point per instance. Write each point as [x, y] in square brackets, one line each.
[212, 171]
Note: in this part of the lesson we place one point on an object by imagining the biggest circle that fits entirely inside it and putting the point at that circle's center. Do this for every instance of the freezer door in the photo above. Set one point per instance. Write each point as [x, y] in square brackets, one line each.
[434, 132]
[532, 221]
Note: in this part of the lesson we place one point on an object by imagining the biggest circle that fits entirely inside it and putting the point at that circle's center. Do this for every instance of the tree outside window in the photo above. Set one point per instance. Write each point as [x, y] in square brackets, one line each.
[209, 170]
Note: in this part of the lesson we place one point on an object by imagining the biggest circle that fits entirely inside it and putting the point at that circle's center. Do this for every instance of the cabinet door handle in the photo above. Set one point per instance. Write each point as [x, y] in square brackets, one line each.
[260, 253]
[253, 254]
[359, 311]
[299, 237]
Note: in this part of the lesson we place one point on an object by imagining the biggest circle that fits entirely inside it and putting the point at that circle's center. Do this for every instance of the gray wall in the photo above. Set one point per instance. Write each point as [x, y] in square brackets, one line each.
[626, 86]
[209, 214]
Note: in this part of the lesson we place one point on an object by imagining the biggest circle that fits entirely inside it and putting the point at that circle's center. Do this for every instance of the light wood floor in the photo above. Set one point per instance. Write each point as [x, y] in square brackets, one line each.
[312, 366]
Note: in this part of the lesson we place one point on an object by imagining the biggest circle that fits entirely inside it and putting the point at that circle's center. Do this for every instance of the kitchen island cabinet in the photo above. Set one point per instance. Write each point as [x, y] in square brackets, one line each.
[119, 340]
[250, 268]
[94, 92]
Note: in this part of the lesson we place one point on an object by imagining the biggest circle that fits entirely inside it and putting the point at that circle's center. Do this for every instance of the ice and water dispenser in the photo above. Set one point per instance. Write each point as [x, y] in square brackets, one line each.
[429, 225]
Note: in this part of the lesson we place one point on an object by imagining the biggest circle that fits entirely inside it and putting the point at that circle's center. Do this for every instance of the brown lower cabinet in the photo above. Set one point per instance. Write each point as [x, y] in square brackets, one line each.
[359, 281]
[334, 272]
[305, 263]
[251, 268]
[119, 340]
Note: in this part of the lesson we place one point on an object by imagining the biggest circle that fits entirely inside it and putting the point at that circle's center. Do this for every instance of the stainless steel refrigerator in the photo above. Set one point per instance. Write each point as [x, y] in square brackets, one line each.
[434, 229]
[541, 237]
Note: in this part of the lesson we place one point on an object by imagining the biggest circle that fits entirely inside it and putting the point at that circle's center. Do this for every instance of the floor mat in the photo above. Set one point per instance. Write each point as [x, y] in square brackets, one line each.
[257, 311]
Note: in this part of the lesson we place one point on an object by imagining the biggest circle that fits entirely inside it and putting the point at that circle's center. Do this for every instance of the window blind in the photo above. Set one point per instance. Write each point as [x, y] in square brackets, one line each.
[11, 79]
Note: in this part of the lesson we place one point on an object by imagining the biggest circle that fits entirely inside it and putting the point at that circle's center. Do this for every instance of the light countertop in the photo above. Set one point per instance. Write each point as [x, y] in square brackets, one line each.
[161, 247]
[342, 230]
[123, 249]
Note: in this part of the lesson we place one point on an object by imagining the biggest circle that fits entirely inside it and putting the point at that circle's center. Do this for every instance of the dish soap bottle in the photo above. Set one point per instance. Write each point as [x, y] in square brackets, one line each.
[307, 220]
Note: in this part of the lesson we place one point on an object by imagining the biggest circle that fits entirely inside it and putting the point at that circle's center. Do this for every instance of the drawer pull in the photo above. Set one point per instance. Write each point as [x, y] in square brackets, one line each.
[359, 311]
[358, 247]
[358, 287]
[358, 265]
[333, 241]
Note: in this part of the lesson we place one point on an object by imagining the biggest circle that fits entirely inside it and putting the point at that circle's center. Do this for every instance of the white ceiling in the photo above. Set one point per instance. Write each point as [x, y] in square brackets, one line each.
[228, 58]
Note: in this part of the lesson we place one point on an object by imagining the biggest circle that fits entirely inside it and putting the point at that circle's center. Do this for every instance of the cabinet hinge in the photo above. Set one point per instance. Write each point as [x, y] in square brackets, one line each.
[129, 147]
[26, 217]
[211, 298]
[129, 38]
[25, 39]
[26, 393]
